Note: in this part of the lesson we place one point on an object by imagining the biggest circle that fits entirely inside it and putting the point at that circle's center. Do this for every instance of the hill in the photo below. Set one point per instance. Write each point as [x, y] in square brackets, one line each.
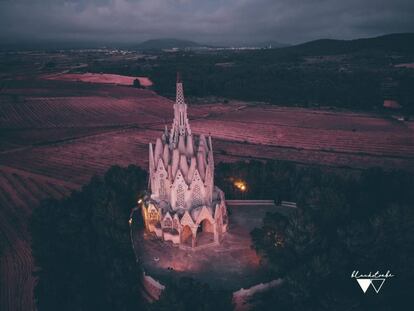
[400, 42]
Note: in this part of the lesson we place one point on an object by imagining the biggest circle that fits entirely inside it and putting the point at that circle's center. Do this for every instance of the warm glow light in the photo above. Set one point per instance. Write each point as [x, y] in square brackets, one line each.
[139, 201]
[241, 185]
[130, 221]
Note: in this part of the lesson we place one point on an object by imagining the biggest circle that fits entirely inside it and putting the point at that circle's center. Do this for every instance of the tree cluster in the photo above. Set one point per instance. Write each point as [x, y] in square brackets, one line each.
[358, 80]
[85, 261]
[363, 224]
[82, 246]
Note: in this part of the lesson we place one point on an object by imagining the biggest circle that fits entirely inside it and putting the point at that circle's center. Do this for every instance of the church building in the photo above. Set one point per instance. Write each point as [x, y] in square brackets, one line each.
[185, 207]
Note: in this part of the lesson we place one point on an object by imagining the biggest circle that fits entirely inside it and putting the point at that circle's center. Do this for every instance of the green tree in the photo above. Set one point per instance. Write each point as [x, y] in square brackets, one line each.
[341, 226]
[82, 249]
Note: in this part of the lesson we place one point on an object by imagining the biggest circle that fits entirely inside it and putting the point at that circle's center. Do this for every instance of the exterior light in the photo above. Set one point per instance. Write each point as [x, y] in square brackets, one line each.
[241, 185]
[139, 201]
[130, 221]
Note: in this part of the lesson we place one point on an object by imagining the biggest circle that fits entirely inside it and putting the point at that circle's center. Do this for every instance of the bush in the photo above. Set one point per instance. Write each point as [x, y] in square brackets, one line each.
[136, 83]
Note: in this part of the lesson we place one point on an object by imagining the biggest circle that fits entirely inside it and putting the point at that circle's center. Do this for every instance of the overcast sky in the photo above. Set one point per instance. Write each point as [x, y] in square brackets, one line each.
[209, 21]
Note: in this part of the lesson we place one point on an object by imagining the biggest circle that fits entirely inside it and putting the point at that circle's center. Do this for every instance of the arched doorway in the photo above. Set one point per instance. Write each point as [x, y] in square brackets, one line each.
[205, 233]
[186, 236]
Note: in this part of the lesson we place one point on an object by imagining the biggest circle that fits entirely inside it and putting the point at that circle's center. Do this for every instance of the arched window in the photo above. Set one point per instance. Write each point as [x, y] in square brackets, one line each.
[153, 215]
[167, 223]
[175, 223]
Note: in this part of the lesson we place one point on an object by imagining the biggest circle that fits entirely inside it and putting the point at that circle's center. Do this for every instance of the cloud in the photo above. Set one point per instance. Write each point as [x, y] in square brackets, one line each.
[200, 20]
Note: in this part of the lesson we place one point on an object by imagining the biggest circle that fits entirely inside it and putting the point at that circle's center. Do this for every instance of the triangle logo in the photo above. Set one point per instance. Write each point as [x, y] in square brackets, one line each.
[377, 284]
[364, 284]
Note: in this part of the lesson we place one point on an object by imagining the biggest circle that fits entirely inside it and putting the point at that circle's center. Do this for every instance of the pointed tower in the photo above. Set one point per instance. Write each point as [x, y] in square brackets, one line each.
[180, 126]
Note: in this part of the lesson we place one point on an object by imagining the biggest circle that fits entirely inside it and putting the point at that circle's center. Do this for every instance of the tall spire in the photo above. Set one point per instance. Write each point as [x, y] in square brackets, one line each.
[180, 126]
[179, 97]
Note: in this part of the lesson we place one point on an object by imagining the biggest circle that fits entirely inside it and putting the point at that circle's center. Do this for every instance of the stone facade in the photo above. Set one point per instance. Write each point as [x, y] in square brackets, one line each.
[185, 206]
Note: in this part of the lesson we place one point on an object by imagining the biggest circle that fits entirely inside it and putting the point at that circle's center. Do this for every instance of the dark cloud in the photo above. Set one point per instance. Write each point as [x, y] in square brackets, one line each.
[202, 20]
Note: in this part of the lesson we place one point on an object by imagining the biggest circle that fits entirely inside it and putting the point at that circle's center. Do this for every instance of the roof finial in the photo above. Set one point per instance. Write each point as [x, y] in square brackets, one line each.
[178, 77]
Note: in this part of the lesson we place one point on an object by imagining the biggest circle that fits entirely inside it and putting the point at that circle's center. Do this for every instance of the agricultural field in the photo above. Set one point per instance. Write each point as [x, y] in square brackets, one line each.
[55, 135]
[354, 140]
[99, 78]
[20, 191]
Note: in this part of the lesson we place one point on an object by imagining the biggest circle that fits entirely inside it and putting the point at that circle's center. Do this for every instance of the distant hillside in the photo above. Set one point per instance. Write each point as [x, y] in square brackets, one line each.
[162, 44]
[403, 42]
